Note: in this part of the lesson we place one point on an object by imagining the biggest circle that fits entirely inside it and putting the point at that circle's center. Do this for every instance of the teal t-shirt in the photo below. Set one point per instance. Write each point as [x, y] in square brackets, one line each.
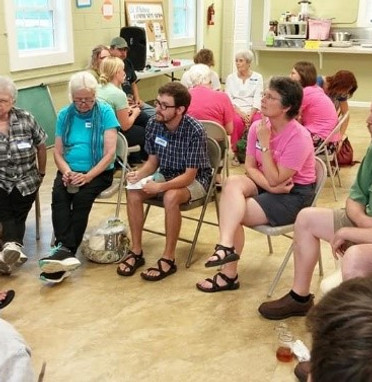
[78, 151]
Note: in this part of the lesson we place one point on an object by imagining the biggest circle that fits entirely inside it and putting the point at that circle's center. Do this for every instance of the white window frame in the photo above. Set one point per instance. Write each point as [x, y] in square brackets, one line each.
[190, 38]
[364, 13]
[63, 51]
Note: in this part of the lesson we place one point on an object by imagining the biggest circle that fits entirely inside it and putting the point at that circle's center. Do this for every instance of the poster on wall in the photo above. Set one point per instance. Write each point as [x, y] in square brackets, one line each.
[150, 16]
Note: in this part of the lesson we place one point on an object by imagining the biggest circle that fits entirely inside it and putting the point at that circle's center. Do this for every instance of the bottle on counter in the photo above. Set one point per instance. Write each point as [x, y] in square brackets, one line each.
[270, 37]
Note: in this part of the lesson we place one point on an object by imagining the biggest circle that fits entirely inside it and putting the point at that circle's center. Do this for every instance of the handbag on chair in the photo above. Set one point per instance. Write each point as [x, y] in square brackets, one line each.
[345, 153]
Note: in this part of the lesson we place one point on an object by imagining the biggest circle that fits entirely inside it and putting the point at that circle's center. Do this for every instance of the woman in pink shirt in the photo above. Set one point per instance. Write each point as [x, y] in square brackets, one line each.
[318, 113]
[279, 181]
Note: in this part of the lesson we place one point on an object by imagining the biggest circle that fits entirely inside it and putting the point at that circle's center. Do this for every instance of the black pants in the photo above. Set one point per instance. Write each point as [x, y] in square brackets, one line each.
[70, 212]
[14, 209]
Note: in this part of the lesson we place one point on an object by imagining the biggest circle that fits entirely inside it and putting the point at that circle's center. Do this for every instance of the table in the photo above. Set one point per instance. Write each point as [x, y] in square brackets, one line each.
[168, 71]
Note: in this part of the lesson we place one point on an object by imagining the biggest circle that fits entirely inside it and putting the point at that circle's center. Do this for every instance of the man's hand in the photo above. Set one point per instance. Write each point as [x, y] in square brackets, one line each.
[152, 187]
[133, 177]
[339, 243]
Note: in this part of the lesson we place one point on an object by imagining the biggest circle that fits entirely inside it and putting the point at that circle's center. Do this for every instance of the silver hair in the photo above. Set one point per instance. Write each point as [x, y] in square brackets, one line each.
[247, 55]
[200, 74]
[7, 86]
[81, 80]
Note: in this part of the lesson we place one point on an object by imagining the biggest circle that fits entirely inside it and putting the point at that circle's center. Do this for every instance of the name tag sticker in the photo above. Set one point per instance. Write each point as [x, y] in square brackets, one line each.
[23, 145]
[161, 141]
[258, 146]
[88, 125]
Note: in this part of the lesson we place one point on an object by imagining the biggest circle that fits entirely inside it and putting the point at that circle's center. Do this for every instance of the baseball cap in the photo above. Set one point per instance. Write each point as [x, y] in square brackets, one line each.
[119, 42]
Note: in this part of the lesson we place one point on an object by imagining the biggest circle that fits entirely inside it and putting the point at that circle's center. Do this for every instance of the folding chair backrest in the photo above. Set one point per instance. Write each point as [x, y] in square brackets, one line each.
[321, 177]
[121, 150]
[215, 130]
[214, 154]
[335, 131]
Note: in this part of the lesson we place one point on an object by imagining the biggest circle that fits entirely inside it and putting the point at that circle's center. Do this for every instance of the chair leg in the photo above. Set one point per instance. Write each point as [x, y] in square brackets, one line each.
[196, 235]
[270, 244]
[280, 271]
[331, 175]
[320, 261]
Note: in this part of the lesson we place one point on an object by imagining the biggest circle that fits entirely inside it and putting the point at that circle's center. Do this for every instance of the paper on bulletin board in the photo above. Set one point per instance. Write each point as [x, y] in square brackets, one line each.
[150, 16]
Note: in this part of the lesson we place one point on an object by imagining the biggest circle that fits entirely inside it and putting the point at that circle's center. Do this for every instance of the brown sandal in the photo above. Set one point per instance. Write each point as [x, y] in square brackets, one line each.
[162, 274]
[231, 283]
[229, 256]
[138, 262]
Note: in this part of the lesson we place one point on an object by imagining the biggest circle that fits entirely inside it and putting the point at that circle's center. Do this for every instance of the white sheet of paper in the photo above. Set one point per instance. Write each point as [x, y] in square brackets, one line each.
[139, 185]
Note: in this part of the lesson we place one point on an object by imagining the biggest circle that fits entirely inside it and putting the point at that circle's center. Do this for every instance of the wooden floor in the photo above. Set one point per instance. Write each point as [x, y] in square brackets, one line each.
[98, 326]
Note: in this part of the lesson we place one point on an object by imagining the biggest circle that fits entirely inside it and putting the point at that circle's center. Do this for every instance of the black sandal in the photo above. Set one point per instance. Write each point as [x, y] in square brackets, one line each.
[7, 299]
[230, 256]
[138, 262]
[231, 283]
[162, 274]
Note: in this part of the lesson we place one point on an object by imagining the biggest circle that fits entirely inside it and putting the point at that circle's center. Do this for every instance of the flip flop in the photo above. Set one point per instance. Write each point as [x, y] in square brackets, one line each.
[162, 274]
[8, 299]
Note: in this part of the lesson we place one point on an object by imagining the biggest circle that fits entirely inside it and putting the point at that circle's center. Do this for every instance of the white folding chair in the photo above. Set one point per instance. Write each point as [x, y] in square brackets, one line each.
[286, 230]
[330, 158]
[217, 132]
[214, 153]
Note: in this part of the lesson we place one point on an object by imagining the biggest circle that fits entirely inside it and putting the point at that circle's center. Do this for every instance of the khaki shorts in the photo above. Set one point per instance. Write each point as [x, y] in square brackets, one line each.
[197, 191]
[340, 219]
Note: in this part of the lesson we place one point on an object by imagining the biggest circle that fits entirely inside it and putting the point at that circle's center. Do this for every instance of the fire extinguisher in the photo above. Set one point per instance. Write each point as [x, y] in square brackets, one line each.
[211, 12]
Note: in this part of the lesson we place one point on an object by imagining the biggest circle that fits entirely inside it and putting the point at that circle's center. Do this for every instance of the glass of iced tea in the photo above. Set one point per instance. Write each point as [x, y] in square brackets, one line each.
[284, 351]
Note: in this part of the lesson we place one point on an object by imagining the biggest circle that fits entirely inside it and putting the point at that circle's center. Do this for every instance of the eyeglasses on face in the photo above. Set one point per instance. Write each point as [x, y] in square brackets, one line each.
[269, 97]
[84, 101]
[163, 106]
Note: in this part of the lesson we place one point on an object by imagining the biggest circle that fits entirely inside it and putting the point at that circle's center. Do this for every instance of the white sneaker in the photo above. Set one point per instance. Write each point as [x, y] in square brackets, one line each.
[11, 253]
[22, 259]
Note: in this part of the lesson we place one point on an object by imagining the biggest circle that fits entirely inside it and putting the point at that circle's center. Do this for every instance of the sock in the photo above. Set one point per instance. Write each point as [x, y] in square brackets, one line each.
[299, 298]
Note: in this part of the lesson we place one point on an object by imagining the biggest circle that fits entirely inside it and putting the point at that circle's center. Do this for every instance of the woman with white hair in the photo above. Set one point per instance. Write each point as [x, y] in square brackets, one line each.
[245, 89]
[22, 168]
[84, 153]
[206, 103]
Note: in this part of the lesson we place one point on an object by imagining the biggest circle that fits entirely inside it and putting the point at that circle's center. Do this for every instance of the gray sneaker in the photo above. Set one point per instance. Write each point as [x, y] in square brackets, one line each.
[285, 307]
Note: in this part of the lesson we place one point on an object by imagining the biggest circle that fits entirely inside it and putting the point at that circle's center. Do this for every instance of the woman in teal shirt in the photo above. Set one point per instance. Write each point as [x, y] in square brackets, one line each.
[84, 153]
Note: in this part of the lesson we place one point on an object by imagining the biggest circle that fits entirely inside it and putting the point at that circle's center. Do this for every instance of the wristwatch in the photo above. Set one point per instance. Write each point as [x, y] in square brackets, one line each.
[264, 149]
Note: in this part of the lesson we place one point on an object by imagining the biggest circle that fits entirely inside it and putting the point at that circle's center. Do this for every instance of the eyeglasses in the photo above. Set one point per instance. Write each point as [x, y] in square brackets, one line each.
[270, 97]
[122, 49]
[82, 101]
[163, 106]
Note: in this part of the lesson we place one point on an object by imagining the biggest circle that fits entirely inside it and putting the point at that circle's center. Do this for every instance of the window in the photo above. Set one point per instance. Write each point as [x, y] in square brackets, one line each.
[39, 33]
[365, 13]
[182, 23]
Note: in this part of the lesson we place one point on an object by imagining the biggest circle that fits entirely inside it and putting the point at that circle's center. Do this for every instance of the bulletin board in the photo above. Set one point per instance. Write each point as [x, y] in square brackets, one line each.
[150, 16]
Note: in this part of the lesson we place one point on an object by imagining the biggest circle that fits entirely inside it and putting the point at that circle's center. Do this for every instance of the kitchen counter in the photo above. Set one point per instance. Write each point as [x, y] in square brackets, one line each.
[257, 48]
